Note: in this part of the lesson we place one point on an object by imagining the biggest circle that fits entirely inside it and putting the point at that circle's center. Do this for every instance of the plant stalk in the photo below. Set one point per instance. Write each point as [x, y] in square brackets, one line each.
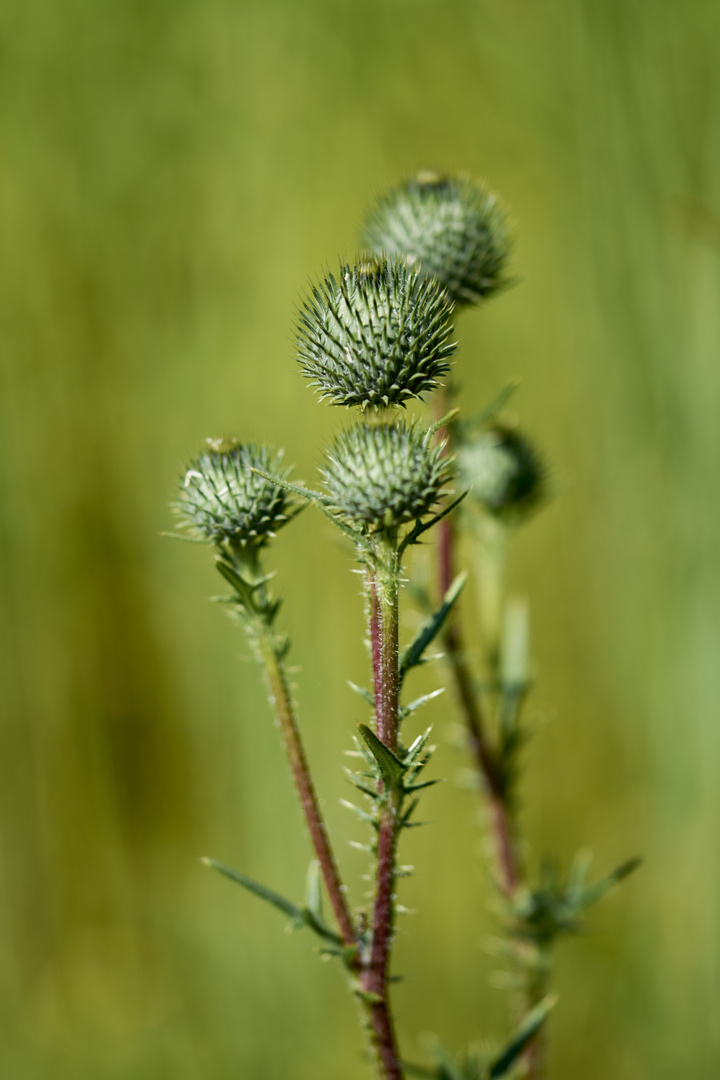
[384, 588]
[502, 826]
[283, 705]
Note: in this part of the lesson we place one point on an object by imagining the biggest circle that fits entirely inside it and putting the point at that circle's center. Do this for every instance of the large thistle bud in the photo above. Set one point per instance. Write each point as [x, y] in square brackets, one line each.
[381, 476]
[503, 472]
[221, 499]
[377, 335]
[453, 228]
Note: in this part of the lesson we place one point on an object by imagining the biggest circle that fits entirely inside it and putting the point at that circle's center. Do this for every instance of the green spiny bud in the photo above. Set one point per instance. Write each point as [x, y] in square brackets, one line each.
[503, 472]
[376, 336]
[454, 228]
[381, 476]
[222, 499]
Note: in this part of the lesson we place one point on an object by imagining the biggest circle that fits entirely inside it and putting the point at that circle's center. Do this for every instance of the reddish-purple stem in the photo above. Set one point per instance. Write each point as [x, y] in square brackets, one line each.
[374, 977]
[282, 702]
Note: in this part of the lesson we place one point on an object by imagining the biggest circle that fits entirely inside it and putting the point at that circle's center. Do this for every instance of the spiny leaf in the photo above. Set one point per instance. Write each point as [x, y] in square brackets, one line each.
[421, 527]
[359, 783]
[360, 812]
[525, 1033]
[412, 656]
[362, 692]
[391, 768]
[417, 747]
[406, 710]
[352, 534]
[443, 421]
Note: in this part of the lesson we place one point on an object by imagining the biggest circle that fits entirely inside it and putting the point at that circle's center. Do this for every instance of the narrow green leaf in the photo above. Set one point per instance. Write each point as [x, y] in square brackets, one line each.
[299, 916]
[421, 787]
[442, 422]
[524, 1035]
[492, 409]
[296, 489]
[271, 897]
[421, 527]
[597, 891]
[412, 656]
[185, 539]
[391, 768]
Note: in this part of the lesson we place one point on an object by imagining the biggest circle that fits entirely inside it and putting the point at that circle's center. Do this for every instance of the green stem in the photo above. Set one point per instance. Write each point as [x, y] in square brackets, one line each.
[485, 751]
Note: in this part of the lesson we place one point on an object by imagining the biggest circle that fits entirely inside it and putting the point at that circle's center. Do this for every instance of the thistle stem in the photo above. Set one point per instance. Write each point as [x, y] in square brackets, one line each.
[383, 588]
[502, 827]
[283, 705]
[501, 821]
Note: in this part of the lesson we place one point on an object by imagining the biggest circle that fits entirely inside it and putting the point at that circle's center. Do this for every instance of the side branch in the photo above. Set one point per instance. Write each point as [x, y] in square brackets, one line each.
[282, 703]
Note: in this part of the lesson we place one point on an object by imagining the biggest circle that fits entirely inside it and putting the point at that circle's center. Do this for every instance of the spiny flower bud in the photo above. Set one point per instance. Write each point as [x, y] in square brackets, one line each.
[376, 336]
[221, 499]
[381, 476]
[503, 472]
[454, 228]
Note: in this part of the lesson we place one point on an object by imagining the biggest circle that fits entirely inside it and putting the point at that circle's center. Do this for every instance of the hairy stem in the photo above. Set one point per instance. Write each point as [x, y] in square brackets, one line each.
[282, 703]
[383, 588]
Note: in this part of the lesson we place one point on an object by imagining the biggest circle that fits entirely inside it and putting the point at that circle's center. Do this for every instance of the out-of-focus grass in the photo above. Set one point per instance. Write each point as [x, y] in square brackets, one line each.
[171, 174]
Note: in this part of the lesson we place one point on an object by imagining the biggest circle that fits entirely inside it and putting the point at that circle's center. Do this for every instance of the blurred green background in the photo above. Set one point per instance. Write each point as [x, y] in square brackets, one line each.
[172, 175]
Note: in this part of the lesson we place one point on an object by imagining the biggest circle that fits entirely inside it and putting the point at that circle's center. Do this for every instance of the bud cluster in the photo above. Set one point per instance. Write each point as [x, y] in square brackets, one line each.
[222, 499]
[456, 230]
[376, 335]
[503, 472]
[381, 476]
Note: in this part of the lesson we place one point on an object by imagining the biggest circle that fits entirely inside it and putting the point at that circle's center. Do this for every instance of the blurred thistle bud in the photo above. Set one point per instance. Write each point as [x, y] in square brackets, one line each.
[454, 228]
[503, 472]
[376, 336]
[381, 476]
[221, 499]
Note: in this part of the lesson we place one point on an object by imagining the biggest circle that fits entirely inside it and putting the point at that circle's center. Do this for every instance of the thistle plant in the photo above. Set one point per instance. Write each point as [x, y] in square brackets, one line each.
[377, 336]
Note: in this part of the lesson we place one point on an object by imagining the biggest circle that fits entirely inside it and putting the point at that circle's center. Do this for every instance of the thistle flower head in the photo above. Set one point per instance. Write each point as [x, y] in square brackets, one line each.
[375, 336]
[222, 499]
[503, 472]
[381, 476]
[455, 229]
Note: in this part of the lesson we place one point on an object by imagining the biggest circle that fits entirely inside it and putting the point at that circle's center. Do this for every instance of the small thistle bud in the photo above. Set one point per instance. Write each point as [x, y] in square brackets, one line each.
[221, 499]
[503, 472]
[454, 228]
[376, 336]
[381, 476]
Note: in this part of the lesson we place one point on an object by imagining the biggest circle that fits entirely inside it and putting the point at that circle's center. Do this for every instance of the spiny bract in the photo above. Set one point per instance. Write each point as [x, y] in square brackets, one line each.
[376, 336]
[381, 476]
[454, 228]
[221, 499]
[503, 471]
